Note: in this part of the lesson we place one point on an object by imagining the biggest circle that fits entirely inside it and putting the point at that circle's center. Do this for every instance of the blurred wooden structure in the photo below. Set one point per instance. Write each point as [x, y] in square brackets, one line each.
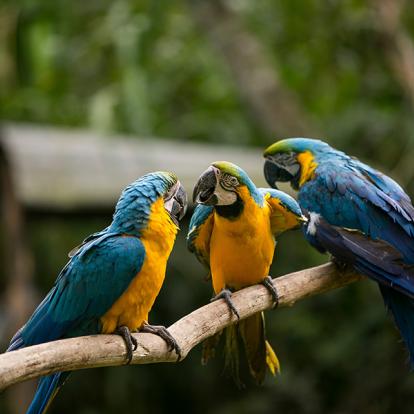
[63, 169]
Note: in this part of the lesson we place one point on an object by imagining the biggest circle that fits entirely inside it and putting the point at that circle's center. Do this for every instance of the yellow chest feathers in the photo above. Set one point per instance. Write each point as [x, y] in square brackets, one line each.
[241, 250]
[308, 166]
[133, 306]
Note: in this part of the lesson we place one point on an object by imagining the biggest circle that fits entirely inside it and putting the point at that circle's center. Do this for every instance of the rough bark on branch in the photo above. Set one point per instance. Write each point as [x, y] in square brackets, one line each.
[109, 350]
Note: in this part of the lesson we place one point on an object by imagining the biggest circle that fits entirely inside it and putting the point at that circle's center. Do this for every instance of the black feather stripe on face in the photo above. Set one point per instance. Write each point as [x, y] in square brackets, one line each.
[231, 211]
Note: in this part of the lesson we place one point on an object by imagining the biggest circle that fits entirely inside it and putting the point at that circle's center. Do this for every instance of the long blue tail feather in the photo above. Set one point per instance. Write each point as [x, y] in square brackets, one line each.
[16, 342]
[402, 310]
[47, 387]
[46, 391]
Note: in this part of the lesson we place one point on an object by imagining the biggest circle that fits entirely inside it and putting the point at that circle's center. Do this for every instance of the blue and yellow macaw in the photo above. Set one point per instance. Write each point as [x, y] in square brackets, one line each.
[232, 232]
[359, 215]
[112, 279]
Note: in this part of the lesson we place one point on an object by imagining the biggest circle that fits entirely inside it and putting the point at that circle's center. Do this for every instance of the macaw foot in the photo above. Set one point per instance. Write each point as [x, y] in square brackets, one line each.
[130, 341]
[267, 282]
[342, 266]
[163, 333]
[226, 295]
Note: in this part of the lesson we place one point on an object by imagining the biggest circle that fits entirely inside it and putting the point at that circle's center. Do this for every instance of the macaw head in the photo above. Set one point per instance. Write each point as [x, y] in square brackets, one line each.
[223, 184]
[292, 159]
[228, 188]
[134, 206]
[175, 200]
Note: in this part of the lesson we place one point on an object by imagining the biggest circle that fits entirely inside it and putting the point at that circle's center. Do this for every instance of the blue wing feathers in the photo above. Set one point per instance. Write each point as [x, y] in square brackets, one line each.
[289, 202]
[359, 202]
[16, 342]
[352, 195]
[374, 258]
[201, 215]
[85, 290]
[98, 272]
[87, 241]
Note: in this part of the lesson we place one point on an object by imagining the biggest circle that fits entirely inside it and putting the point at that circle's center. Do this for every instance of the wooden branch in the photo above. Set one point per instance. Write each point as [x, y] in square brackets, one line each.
[109, 350]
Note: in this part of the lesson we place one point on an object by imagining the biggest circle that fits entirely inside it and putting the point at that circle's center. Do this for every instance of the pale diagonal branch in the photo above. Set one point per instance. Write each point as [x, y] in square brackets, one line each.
[109, 350]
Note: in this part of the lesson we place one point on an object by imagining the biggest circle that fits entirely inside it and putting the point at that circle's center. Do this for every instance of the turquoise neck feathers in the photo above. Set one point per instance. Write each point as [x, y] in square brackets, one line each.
[133, 209]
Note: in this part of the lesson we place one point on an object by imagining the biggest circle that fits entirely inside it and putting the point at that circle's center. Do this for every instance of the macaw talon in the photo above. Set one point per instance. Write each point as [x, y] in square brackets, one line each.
[130, 341]
[163, 333]
[267, 282]
[341, 266]
[226, 295]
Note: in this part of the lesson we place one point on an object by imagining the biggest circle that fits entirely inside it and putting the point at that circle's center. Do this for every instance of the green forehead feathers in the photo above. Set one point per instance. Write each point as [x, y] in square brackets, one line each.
[228, 168]
[171, 177]
[297, 145]
[283, 145]
[235, 171]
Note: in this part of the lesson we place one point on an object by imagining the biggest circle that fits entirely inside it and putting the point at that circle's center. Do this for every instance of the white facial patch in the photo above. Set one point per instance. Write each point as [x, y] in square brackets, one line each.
[224, 197]
[168, 205]
[313, 222]
[292, 169]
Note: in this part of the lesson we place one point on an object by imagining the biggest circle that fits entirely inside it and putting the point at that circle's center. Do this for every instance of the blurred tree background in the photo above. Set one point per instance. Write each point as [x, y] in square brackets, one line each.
[243, 73]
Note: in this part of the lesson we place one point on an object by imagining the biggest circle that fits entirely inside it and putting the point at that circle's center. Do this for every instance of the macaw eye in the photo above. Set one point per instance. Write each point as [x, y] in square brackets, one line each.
[234, 181]
[229, 182]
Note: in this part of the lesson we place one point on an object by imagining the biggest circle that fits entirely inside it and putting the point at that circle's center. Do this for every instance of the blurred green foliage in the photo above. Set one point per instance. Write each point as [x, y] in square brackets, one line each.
[137, 67]
[146, 68]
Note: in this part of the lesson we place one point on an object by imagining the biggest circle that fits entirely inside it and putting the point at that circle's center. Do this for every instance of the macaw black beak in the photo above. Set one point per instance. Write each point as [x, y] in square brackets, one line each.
[206, 186]
[270, 173]
[274, 172]
[177, 204]
[181, 203]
